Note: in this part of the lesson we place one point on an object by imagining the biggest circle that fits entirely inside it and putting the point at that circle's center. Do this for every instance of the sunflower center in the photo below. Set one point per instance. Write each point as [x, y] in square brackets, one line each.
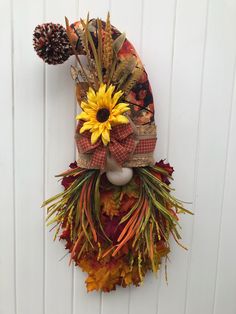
[103, 114]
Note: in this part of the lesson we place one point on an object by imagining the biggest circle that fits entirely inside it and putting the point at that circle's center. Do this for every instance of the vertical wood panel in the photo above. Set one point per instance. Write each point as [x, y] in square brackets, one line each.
[225, 301]
[128, 20]
[7, 265]
[157, 53]
[60, 115]
[28, 114]
[95, 10]
[214, 124]
[157, 45]
[119, 300]
[59, 153]
[84, 302]
[185, 100]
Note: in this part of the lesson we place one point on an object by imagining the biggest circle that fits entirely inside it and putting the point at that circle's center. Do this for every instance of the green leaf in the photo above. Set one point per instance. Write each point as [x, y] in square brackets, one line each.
[118, 42]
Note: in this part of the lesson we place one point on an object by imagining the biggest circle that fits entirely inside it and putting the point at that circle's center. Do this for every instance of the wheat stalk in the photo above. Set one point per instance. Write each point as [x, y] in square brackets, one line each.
[107, 46]
[136, 74]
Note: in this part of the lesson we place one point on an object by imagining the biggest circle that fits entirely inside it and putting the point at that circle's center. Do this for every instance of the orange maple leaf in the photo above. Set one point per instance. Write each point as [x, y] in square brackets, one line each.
[109, 204]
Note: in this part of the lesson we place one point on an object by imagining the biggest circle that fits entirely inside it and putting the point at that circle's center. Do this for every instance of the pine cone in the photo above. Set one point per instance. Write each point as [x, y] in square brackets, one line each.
[51, 43]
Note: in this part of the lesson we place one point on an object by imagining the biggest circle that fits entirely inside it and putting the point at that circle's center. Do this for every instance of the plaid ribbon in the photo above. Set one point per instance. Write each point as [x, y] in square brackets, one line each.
[121, 145]
[145, 146]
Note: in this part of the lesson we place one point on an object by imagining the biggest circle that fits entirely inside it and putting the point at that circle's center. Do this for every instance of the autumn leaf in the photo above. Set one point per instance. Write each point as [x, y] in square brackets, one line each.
[131, 189]
[109, 203]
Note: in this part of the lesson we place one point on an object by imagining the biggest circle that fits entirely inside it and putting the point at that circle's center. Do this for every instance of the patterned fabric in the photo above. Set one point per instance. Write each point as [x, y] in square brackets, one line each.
[121, 145]
[141, 94]
[145, 146]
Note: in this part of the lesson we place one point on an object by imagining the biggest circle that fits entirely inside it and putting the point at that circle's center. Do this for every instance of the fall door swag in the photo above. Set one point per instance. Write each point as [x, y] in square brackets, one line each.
[116, 213]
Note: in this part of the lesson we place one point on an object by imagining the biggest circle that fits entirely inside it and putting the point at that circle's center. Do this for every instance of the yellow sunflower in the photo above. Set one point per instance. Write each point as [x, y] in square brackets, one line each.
[102, 111]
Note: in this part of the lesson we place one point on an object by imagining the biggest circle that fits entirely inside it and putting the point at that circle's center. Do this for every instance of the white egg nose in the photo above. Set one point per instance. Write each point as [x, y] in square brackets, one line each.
[120, 177]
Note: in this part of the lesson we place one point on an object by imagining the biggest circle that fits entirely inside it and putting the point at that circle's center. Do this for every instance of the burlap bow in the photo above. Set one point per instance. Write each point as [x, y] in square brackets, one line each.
[122, 144]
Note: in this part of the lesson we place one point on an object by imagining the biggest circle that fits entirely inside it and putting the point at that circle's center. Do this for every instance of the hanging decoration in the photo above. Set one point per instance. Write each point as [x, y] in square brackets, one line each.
[116, 213]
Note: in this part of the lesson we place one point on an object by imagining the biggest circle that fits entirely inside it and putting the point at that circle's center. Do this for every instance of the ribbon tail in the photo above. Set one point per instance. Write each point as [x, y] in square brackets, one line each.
[98, 159]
